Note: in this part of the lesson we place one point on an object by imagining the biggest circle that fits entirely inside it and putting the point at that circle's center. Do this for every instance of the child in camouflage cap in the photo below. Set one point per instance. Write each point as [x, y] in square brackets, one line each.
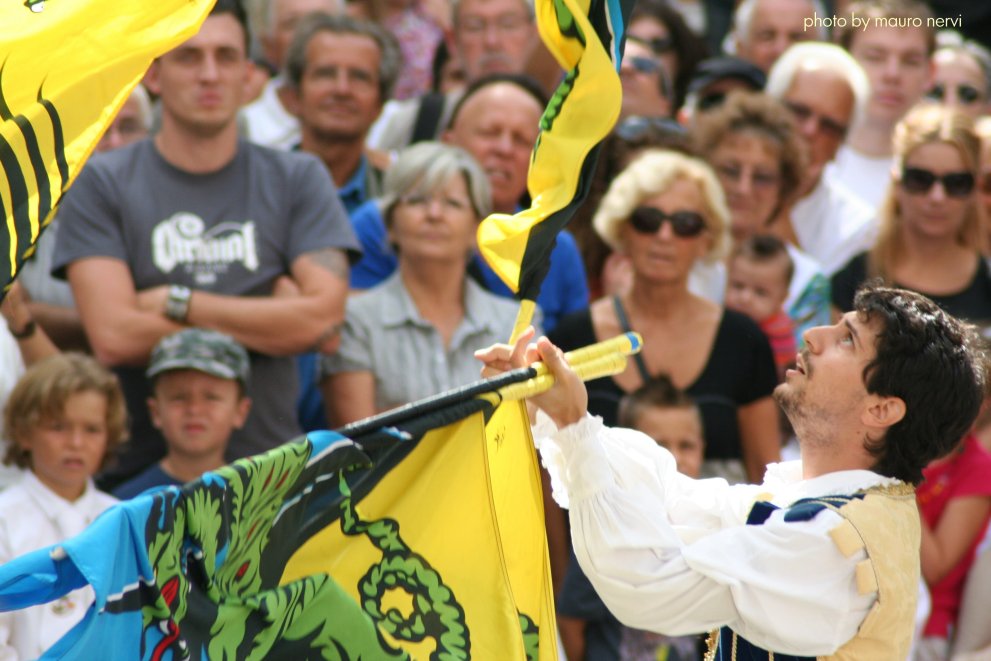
[198, 399]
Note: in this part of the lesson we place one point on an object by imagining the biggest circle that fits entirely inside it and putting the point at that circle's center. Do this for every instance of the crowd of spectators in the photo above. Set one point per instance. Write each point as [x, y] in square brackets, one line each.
[277, 235]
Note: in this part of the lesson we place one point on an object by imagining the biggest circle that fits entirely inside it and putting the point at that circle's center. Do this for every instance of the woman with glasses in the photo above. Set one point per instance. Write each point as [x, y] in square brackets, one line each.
[752, 144]
[665, 212]
[414, 335]
[962, 77]
[655, 23]
[931, 236]
[607, 271]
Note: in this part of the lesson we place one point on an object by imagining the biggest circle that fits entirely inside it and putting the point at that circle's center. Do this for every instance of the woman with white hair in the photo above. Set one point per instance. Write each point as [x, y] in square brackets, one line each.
[665, 211]
[414, 335]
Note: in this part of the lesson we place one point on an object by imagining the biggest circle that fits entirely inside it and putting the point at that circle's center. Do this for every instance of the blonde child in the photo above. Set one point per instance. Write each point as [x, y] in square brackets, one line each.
[64, 418]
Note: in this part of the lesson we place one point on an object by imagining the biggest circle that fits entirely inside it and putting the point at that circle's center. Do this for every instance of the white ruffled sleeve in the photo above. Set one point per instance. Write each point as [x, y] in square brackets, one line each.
[674, 555]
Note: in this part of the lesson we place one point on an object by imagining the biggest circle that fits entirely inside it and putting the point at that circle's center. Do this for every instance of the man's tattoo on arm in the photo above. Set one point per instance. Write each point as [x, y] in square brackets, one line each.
[333, 260]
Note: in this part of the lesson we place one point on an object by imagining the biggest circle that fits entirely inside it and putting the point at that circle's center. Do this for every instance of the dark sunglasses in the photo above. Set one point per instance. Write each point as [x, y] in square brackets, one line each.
[644, 64]
[967, 94]
[686, 224]
[637, 127]
[661, 44]
[919, 182]
[803, 113]
[710, 101]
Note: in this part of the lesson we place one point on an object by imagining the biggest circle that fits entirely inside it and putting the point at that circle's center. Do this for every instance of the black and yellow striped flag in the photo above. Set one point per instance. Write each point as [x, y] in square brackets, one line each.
[586, 37]
[66, 67]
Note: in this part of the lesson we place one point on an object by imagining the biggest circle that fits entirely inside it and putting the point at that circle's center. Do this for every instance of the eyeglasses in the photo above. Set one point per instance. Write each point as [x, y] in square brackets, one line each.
[421, 201]
[758, 178]
[661, 44]
[967, 94]
[686, 224]
[637, 127]
[828, 125]
[919, 182]
[643, 64]
[504, 24]
[710, 101]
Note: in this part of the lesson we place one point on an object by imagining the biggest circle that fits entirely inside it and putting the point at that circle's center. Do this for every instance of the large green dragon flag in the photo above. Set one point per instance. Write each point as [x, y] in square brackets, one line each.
[385, 545]
[586, 37]
[66, 68]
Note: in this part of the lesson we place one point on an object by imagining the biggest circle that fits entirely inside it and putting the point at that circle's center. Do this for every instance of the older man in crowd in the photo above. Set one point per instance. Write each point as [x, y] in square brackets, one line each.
[764, 29]
[826, 91]
[270, 120]
[490, 37]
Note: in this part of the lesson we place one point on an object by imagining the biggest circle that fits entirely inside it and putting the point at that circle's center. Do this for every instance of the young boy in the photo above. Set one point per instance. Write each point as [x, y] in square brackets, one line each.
[64, 419]
[759, 274]
[672, 419]
[198, 399]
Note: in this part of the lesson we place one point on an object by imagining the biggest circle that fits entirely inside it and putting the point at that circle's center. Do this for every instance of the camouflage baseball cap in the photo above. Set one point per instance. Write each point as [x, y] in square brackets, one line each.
[203, 350]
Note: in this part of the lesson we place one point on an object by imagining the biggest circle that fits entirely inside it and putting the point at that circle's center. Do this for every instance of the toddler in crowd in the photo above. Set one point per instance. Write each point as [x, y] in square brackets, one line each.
[672, 419]
[198, 399]
[759, 274]
[63, 419]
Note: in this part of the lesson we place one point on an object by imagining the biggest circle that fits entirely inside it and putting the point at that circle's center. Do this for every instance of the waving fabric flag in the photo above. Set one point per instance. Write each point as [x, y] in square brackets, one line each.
[314, 551]
[586, 37]
[66, 67]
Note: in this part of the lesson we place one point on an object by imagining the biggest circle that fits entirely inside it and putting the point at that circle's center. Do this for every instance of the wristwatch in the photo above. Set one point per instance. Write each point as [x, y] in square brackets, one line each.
[177, 303]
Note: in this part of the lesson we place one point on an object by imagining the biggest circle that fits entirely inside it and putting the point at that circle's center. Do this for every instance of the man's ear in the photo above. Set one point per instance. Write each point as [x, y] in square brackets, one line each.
[150, 79]
[882, 413]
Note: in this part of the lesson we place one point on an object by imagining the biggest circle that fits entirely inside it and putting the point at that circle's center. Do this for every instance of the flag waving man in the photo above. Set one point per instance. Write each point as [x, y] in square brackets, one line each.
[874, 398]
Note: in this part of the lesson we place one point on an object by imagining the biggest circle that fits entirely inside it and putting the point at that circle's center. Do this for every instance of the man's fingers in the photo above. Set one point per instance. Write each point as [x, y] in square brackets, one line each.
[519, 356]
[552, 357]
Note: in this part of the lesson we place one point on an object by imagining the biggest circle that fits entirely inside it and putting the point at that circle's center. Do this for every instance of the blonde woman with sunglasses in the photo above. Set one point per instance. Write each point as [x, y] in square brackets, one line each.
[665, 212]
[932, 236]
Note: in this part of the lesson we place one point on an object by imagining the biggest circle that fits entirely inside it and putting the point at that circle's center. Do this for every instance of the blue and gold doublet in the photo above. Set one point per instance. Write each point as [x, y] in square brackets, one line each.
[884, 523]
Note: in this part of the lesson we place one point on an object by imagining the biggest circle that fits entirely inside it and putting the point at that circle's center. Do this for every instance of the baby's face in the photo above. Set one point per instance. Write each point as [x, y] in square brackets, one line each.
[680, 431]
[757, 289]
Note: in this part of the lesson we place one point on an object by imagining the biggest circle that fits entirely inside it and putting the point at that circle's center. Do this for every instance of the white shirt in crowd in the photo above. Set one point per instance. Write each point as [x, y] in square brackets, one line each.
[867, 177]
[268, 123]
[832, 225]
[670, 554]
[11, 370]
[32, 517]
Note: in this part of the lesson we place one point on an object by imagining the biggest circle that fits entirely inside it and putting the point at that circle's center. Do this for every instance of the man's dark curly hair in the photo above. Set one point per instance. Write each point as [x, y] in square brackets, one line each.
[933, 362]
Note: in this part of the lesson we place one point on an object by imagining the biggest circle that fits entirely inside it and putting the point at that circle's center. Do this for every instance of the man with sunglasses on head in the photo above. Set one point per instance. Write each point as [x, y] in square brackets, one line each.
[826, 91]
[646, 89]
[898, 63]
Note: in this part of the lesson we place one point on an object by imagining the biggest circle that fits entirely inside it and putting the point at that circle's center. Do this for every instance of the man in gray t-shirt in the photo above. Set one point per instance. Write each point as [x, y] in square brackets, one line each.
[197, 227]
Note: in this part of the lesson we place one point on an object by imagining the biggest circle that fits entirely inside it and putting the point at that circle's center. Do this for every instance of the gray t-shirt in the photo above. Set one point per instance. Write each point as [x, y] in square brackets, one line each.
[233, 232]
